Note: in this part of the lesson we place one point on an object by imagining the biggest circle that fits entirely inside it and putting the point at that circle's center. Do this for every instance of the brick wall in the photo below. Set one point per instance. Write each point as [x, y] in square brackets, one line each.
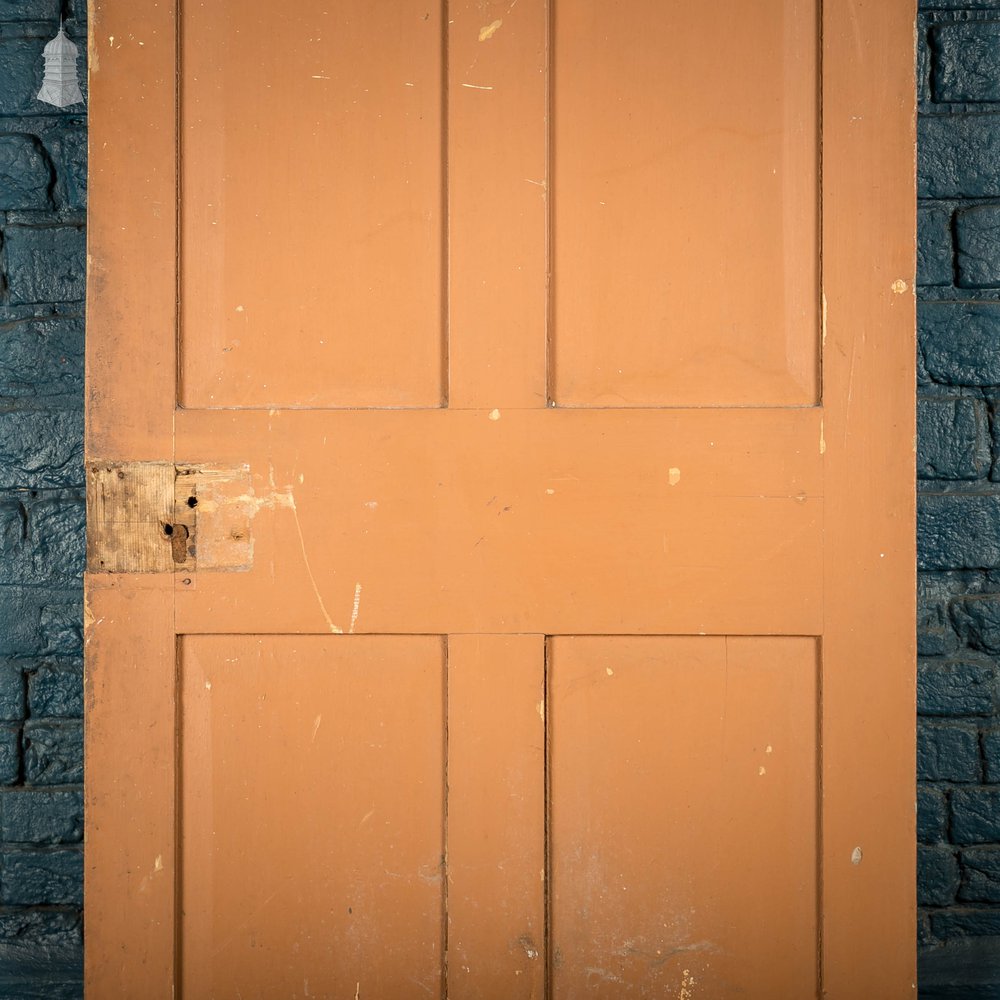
[958, 461]
[42, 267]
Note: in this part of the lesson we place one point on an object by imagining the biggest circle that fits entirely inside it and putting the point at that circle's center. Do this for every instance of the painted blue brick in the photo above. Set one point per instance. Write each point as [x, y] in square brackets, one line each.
[41, 877]
[39, 945]
[42, 358]
[965, 921]
[934, 249]
[53, 753]
[980, 869]
[958, 531]
[977, 621]
[977, 246]
[41, 450]
[937, 875]
[11, 692]
[991, 754]
[960, 342]
[975, 815]
[45, 264]
[44, 545]
[37, 816]
[21, 67]
[966, 61]
[56, 691]
[935, 633]
[26, 173]
[953, 4]
[68, 149]
[61, 630]
[957, 688]
[10, 754]
[953, 439]
[30, 10]
[948, 752]
[932, 814]
[958, 156]
[924, 936]
[936, 641]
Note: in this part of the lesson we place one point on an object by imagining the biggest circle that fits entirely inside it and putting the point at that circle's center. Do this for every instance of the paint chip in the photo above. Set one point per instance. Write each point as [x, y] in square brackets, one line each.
[899, 286]
[761, 771]
[856, 855]
[674, 476]
[490, 30]
[609, 671]
[494, 414]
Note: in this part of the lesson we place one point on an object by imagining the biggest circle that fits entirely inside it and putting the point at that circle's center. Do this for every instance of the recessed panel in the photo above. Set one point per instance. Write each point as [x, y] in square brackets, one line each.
[311, 816]
[683, 823]
[311, 204]
[685, 203]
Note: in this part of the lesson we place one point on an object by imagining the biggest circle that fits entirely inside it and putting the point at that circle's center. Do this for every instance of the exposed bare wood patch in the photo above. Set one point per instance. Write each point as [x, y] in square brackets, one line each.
[130, 510]
[218, 506]
[150, 517]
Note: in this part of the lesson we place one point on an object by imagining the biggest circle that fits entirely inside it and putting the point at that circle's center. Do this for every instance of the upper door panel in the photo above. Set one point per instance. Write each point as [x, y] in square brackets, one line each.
[311, 204]
[685, 185]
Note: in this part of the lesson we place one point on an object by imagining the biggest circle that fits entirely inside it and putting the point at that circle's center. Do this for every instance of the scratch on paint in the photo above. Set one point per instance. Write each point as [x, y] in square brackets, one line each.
[824, 318]
[319, 719]
[476, 86]
[357, 604]
[312, 579]
[822, 438]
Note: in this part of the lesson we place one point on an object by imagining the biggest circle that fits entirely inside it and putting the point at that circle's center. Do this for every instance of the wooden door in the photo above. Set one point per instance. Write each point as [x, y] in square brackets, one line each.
[500, 499]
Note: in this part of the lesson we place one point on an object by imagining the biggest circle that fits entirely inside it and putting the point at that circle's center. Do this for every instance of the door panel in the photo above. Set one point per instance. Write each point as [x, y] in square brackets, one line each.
[683, 798]
[340, 744]
[661, 184]
[312, 227]
[468, 439]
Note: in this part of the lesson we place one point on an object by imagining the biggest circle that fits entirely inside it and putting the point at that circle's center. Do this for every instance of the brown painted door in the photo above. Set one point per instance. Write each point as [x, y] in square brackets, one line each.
[500, 530]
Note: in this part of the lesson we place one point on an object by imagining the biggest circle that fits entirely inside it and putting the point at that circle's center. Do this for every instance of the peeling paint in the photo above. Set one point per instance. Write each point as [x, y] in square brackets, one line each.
[487, 32]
